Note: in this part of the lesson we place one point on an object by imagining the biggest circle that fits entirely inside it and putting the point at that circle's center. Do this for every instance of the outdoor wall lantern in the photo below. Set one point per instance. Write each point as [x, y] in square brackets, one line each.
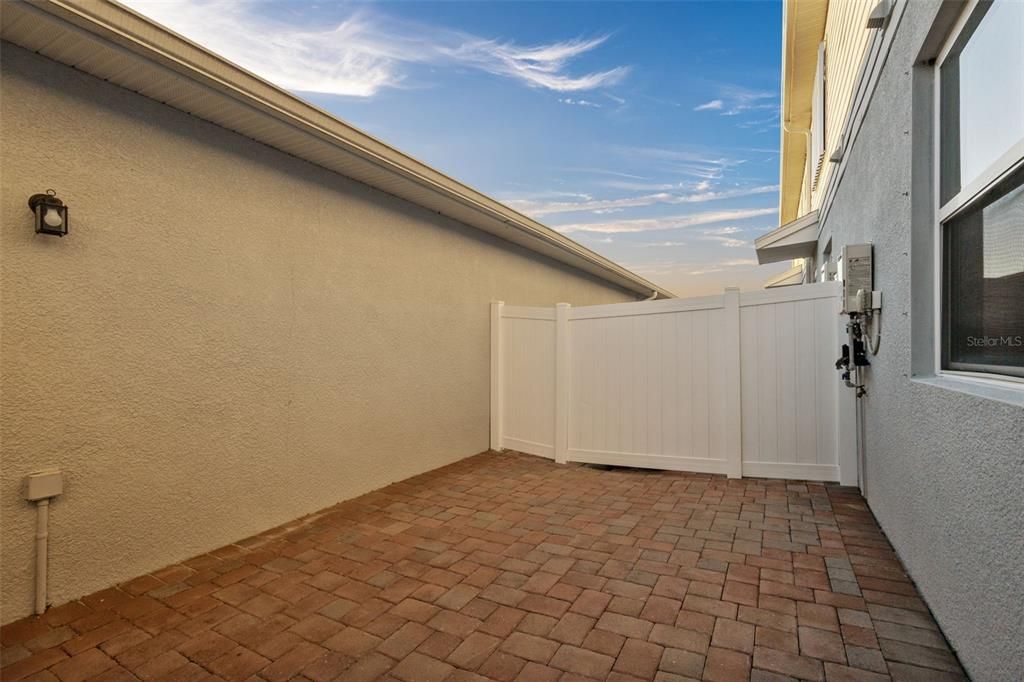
[51, 213]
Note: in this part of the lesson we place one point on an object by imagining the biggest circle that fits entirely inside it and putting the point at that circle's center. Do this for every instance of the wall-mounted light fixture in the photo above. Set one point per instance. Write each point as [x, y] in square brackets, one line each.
[50, 212]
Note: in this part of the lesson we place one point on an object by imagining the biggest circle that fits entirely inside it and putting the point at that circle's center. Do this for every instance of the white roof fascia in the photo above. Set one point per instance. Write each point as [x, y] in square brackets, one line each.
[797, 239]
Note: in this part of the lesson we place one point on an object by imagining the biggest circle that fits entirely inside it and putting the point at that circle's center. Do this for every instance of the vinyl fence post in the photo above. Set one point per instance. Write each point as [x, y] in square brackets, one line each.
[496, 387]
[562, 378]
[733, 385]
[846, 412]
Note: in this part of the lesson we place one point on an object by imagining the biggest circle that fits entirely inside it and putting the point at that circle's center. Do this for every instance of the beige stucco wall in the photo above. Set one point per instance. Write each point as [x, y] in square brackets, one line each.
[228, 339]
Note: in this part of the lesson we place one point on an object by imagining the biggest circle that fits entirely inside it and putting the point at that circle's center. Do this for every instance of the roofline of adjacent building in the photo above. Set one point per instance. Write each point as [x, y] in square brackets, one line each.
[803, 27]
[112, 31]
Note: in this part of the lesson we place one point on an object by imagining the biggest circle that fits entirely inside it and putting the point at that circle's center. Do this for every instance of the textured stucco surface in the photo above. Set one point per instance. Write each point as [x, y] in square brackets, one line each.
[944, 469]
[229, 338]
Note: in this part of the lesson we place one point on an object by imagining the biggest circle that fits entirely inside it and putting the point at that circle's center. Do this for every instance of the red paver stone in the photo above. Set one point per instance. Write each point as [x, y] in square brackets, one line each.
[163, 667]
[582, 661]
[591, 603]
[352, 642]
[627, 626]
[817, 616]
[501, 666]
[815, 643]
[506, 567]
[639, 658]
[473, 651]
[572, 629]
[788, 664]
[419, 668]
[405, 640]
[604, 642]
[731, 634]
[529, 647]
[677, 662]
[725, 665]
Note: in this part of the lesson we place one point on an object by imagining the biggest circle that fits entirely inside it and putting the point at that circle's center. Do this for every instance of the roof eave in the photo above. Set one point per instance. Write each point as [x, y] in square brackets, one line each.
[792, 277]
[796, 239]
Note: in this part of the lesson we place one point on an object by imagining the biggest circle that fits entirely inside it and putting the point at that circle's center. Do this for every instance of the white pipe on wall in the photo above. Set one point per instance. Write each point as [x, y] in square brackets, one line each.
[41, 487]
[42, 528]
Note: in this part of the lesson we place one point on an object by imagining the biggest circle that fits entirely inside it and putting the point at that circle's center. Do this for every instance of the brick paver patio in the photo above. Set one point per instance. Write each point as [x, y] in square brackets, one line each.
[510, 567]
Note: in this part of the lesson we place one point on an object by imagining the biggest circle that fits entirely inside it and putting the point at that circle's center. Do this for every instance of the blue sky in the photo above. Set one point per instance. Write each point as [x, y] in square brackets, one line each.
[646, 131]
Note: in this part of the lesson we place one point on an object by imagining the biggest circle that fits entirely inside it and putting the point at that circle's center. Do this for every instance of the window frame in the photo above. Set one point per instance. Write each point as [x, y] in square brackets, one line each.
[1008, 163]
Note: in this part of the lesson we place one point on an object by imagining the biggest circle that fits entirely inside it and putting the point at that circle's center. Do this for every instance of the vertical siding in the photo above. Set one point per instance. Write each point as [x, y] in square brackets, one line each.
[846, 42]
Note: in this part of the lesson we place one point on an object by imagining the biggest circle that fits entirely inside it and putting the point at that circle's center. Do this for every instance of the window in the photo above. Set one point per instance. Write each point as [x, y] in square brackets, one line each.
[980, 87]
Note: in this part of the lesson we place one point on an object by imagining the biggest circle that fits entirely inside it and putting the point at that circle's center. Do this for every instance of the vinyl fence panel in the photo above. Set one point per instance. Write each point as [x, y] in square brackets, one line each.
[740, 384]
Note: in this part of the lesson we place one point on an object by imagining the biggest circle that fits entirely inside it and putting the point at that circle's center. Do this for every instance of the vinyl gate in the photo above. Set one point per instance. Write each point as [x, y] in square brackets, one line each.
[741, 384]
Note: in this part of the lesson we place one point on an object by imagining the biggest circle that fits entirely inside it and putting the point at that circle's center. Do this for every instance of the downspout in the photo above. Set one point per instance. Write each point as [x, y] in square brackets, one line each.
[654, 295]
[806, 132]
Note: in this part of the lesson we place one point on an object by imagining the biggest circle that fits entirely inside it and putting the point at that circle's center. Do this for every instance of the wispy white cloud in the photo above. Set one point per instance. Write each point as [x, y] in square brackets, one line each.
[729, 242]
[643, 186]
[702, 164]
[722, 236]
[713, 105]
[734, 99]
[667, 223]
[700, 186]
[602, 171]
[542, 208]
[579, 102]
[368, 51]
[663, 244]
[540, 66]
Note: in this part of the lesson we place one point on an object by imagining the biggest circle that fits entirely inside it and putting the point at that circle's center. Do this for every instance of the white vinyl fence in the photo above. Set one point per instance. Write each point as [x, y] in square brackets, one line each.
[741, 384]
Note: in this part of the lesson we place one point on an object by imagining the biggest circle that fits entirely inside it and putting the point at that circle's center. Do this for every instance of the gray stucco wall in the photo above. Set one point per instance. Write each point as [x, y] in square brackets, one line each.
[944, 466]
[228, 339]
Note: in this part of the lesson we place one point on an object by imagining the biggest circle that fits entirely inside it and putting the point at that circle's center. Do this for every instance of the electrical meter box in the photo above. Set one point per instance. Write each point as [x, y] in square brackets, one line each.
[857, 272]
